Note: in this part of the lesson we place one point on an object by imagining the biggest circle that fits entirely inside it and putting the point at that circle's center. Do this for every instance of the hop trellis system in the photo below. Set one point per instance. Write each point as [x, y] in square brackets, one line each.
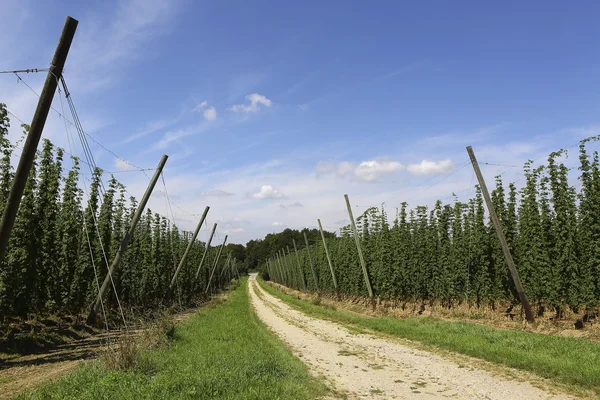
[450, 254]
[61, 256]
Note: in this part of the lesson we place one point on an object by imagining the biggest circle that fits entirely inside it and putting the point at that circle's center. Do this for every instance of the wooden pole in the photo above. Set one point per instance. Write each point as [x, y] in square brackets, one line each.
[117, 260]
[298, 262]
[360, 254]
[226, 264]
[312, 267]
[215, 264]
[237, 271]
[503, 243]
[288, 273]
[286, 276]
[35, 133]
[281, 273]
[335, 285]
[206, 250]
[187, 251]
[290, 265]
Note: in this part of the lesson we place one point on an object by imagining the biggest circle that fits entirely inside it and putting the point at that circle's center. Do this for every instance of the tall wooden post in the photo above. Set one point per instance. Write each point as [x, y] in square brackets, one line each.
[35, 133]
[187, 250]
[207, 247]
[503, 243]
[335, 285]
[312, 267]
[360, 254]
[117, 260]
[215, 264]
[298, 262]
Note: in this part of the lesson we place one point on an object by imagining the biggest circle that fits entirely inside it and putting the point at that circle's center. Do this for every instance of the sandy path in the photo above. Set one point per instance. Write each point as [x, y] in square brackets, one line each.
[368, 366]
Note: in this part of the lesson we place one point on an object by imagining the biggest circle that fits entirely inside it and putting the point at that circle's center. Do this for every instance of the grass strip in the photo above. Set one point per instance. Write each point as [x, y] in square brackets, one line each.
[224, 351]
[571, 361]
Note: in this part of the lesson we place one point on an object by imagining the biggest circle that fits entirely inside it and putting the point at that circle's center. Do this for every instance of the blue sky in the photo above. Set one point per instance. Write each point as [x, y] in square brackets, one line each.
[271, 111]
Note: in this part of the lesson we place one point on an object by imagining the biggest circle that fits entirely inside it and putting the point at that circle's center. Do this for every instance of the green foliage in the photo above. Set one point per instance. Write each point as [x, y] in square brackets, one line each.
[451, 253]
[60, 249]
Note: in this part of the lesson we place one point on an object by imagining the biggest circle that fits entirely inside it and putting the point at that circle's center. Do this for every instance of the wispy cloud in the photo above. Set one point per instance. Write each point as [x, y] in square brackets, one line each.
[110, 41]
[255, 101]
[177, 135]
[216, 193]
[293, 205]
[153, 127]
[122, 165]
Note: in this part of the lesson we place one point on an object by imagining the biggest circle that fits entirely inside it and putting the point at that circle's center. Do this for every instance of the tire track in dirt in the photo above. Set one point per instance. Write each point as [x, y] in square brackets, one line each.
[368, 366]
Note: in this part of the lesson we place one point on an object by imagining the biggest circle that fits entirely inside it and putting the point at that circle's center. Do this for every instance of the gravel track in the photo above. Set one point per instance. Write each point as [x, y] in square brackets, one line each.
[368, 366]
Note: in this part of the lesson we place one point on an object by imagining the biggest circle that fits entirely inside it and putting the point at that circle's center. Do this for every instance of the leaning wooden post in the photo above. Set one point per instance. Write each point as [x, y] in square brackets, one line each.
[215, 264]
[291, 267]
[335, 285]
[35, 133]
[360, 254]
[282, 277]
[272, 275]
[503, 243]
[278, 268]
[117, 260]
[286, 275]
[226, 264]
[278, 274]
[298, 262]
[237, 271]
[187, 251]
[312, 267]
[207, 247]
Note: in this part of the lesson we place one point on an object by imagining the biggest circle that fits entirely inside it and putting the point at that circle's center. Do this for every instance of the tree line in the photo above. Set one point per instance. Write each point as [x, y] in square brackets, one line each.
[67, 233]
[450, 253]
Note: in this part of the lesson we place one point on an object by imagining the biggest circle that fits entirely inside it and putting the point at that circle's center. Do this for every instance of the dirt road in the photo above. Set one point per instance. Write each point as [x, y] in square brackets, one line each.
[368, 366]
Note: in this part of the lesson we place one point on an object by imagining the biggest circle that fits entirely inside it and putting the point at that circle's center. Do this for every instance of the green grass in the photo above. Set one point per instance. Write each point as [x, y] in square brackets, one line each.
[571, 361]
[223, 352]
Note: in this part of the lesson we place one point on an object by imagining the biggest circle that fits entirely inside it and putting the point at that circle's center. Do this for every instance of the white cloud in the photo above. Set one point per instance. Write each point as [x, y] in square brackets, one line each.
[276, 223]
[256, 100]
[210, 113]
[373, 169]
[430, 167]
[267, 192]
[344, 168]
[369, 171]
[122, 165]
[304, 107]
[325, 167]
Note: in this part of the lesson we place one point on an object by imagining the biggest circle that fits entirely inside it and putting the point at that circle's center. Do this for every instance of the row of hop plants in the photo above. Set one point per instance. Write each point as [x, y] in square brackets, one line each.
[450, 253]
[66, 232]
